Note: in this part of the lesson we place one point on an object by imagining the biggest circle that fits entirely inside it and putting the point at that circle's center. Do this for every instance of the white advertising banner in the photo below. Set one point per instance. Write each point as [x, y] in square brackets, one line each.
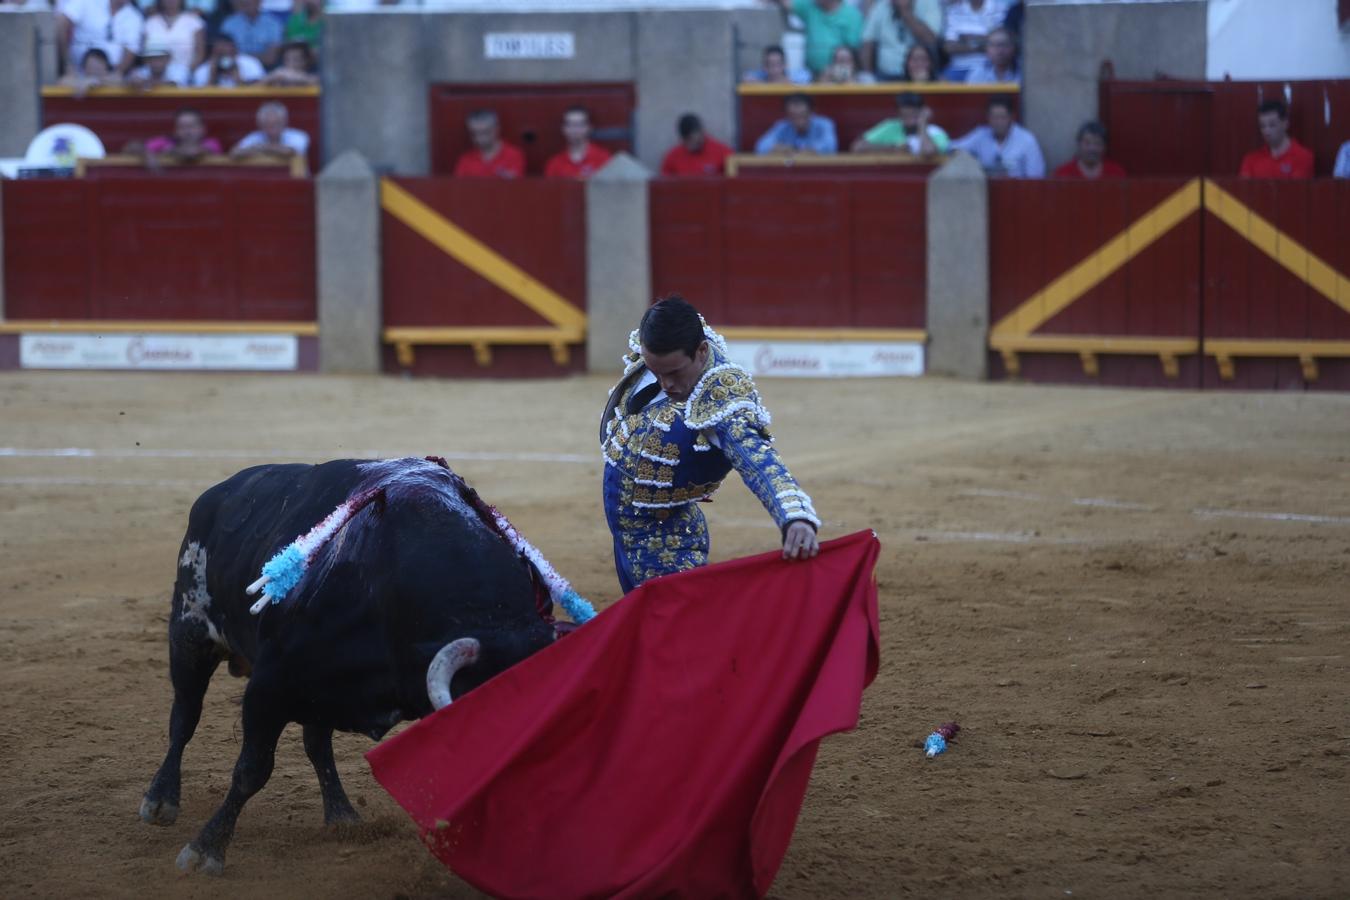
[529, 45]
[843, 359]
[250, 352]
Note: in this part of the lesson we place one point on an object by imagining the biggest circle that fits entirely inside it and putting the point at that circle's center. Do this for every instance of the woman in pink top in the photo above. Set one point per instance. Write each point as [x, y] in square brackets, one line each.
[183, 32]
[188, 143]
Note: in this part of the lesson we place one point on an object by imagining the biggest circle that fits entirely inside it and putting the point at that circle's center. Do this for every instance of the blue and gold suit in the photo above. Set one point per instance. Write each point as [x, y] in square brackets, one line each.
[662, 459]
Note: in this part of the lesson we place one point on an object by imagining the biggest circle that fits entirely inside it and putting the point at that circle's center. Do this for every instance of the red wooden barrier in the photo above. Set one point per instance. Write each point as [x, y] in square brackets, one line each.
[187, 248]
[531, 118]
[957, 108]
[1206, 127]
[1139, 325]
[536, 225]
[121, 115]
[1279, 324]
[793, 252]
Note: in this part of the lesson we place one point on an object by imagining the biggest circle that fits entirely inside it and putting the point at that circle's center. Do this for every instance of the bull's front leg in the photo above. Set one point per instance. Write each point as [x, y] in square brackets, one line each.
[337, 809]
[263, 724]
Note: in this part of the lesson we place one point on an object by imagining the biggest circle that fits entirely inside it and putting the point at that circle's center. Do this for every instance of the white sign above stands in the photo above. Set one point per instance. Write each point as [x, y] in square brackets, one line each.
[529, 45]
[844, 359]
[248, 352]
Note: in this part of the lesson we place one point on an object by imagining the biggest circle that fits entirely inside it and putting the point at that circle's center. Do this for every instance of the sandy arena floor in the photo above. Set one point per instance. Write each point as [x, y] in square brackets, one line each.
[1136, 604]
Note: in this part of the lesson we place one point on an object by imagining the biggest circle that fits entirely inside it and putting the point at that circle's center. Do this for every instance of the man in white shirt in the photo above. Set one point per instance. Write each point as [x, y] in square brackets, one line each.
[113, 26]
[1342, 167]
[966, 30]
[157, 69]
[1003, 147]
[272, 138]
[227, 67]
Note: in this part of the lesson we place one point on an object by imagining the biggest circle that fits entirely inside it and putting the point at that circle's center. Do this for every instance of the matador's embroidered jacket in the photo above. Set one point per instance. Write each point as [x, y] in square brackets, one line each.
[662, 459]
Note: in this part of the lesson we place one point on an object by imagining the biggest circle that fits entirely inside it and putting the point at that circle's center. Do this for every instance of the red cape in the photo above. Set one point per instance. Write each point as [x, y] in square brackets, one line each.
[663, 749]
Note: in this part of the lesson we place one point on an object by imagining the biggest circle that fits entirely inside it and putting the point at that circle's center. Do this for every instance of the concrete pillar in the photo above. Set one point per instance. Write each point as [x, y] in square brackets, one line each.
[1065, 44]
[347, 201]
[618, 259]
[2, 249]
[958, 270]
[374, 96]
[699, 77]
[20, 103]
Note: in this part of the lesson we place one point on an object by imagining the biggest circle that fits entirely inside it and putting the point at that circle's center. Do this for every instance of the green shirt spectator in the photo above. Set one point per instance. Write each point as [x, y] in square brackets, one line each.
[829, 23]
[910, 131]
[892, 133]
[305, 23]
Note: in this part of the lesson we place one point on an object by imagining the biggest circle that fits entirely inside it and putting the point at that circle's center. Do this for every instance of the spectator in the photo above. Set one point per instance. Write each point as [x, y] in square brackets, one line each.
[187, 144]
[580, 158]
[305, 23]
[95, 71]
[491, 157]
[227, 67]
[1003, 147]
[1090, 158]
[272, 138]
[696, 153]
[296, 69]
[112, 26]
[829, 23]
[1282, 156]
[157, 69]
[800, 131]
[999, 65]
[182, 32]
[919, 65]
[1342, 167]
[775, 69]
[893, 29]
[845, 68]
[254, 33]
[967, 26]
[910, 133]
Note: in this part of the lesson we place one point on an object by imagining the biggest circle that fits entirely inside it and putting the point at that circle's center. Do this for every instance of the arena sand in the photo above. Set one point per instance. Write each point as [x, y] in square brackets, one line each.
[1136, 604]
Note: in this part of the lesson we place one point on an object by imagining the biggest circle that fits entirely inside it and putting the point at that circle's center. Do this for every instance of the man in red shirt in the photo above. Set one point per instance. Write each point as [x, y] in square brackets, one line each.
[1282, 156]
[491, 157]
[1090, 160]
[581, 158]
[696, 153]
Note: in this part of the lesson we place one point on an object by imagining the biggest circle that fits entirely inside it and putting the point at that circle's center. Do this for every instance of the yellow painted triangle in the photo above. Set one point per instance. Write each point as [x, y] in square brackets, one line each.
[479, 257]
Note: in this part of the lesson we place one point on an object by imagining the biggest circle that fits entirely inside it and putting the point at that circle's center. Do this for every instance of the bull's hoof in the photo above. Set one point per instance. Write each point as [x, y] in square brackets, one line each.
[158, 812]
[341, 818]
[190, 860]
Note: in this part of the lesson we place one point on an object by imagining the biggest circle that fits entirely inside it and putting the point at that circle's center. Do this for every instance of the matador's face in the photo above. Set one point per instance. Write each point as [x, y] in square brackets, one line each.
[677, 372]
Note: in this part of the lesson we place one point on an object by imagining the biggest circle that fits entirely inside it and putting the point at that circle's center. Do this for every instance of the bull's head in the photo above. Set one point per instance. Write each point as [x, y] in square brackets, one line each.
[449, 660]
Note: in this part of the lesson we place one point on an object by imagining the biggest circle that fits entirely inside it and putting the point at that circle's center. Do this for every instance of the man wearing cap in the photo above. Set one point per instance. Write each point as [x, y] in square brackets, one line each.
[157, 69]
[679, 420]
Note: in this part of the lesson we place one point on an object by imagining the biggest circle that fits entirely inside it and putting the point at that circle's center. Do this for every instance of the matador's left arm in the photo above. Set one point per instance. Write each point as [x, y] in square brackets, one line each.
[749, 448]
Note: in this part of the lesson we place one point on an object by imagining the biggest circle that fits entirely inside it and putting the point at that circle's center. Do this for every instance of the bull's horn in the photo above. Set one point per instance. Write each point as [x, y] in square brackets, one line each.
[451, 658]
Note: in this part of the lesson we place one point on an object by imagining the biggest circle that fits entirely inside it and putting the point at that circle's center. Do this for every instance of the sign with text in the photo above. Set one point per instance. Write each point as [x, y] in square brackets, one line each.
[529, 45]
[248, 352]
[844, 359]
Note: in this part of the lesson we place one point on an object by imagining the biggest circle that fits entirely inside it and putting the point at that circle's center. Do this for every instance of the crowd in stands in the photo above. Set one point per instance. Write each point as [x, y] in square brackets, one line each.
[228, 43]
[971, 41]
[188, 43]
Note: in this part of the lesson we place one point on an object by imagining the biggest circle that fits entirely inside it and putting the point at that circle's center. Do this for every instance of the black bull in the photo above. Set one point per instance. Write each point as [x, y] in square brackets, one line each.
[418, 567]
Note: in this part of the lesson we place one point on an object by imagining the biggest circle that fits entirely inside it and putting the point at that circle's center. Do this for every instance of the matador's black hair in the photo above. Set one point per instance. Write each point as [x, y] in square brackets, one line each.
[671, 324]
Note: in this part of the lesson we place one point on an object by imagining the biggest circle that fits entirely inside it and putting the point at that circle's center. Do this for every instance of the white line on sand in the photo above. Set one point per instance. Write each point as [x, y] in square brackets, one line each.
[193, 453]
[63, 481]
[1200, 513]
[1269, 516]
